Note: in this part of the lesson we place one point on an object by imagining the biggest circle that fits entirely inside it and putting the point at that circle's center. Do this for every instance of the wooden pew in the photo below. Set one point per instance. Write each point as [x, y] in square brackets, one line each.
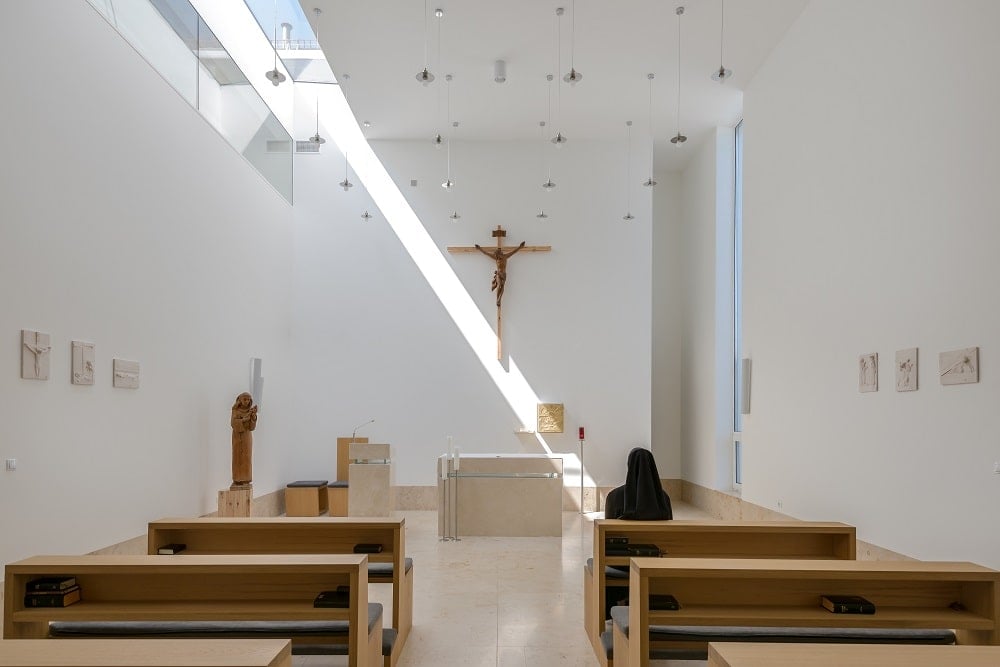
[731, 594]
[704, 539]
[855, 655]
[305, 535]
[146, 653]
[274, 589]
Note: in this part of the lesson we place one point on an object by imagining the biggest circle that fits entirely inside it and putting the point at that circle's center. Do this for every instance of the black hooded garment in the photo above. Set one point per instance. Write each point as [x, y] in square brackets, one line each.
[642, 498]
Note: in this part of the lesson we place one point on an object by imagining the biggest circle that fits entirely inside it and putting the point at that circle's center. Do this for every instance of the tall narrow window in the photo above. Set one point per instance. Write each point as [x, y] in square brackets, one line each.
[738, 401]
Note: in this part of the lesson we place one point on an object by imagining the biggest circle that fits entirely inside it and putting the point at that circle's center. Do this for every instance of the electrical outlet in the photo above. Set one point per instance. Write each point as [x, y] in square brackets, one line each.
[780, 505]
[11, 465]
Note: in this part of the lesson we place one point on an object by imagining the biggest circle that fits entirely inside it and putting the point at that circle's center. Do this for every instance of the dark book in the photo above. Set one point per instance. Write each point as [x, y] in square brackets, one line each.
[367, 548]
[172, 548]
[847, 604]
[615, 540]
[51, 584]
[340, 598]
[659, 602]
[618, 550]
[643, 550]
[52, 598]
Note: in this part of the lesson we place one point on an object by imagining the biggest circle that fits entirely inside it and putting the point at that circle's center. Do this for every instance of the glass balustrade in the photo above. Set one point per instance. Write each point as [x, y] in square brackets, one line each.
[172, 37]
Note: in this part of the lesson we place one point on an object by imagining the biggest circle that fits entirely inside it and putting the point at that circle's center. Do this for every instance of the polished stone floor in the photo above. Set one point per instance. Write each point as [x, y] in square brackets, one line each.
[497, 601]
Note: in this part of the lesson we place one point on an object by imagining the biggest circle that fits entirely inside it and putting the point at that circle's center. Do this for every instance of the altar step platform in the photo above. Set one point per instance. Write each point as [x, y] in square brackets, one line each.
[500, 495]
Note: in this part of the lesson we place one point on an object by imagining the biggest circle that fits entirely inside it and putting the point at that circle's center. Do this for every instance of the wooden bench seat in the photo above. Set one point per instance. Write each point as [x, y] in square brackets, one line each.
[699, 539]
[837, 655]
[740, 599]
[305, 535]
[146, 653]
[251, 592]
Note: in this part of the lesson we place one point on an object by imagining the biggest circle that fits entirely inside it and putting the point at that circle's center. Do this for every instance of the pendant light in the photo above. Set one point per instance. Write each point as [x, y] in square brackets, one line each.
[572, 77]
[346, 183]
[542, 215]
[366, 216]
[679, 138]
[448, 184]
[560, 138]
[424, 76]
[628, 217]
[548, 185]
[316, 138]
[649, 182]
[722, 73]
[275, 76]
[455, 217]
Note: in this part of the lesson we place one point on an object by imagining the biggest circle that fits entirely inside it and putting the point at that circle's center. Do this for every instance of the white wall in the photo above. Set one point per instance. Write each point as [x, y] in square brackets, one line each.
[130, 223]
[576, 320]
[871, 226]
[706, 368]
[668, 319]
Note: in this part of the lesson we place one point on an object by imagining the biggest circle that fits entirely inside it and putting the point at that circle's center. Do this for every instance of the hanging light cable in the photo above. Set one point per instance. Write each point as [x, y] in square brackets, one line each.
[275, 76]
[548, 185]
[649, 182]
[573, 77]
[448, 183]
[679, 138]
[316, 139]
[346, 183]
[628, 217]
[424, 76]
[454, 217]
[722, 73]
[542, 215]
[438, 140]
[560, 138]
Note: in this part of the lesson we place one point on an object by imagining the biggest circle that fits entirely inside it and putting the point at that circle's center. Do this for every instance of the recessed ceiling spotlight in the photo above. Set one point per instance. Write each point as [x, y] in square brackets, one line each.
[366, 216]
[500, 71]
[345, 77]
[439, 13]
[455, 217]
[542, 215]
[366, 123]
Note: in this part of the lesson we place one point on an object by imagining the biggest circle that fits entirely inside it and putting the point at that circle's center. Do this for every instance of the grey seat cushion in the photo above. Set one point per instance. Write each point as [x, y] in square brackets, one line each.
[610, 572]
[209, 628]
[338, 484]
[713, 633]
[388, 642]
[384, 570]
[608, 645]
[307, 483]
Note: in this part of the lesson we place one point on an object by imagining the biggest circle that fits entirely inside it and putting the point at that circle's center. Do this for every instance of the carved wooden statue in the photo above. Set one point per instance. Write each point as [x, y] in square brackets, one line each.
[243, 421]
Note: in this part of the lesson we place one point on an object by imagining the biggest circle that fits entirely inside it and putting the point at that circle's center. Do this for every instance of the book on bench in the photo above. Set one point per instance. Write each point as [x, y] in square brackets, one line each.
[632, 550]
[366, 548]
[663, 602]
[62, 598]
[170, 549]
[847, 604]
[47, 584]
[340, 598]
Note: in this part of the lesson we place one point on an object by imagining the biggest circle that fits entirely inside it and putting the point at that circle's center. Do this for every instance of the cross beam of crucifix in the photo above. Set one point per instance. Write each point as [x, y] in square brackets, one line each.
[500, 254]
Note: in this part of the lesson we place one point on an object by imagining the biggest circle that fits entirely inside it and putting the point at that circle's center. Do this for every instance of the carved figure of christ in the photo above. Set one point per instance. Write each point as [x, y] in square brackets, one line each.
[500, 254]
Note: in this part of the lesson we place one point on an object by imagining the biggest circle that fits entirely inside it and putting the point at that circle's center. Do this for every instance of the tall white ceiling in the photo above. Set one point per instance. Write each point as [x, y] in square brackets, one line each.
[376, 47]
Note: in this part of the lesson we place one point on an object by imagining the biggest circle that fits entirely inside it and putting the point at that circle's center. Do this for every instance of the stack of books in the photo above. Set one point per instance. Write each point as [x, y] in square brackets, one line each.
[51, 592]
[619, 546]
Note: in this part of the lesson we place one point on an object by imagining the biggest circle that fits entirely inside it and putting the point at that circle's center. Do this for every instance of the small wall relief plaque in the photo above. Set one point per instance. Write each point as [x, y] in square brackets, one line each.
[83, 363]
[126, 374]
[35, 348]
[868, 372]
[959, 366]
[906, 369]
[550, 417]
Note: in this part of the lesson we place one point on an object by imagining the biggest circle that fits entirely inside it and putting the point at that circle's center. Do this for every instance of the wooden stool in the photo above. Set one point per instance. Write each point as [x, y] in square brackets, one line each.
[306, 498]
[337, 493]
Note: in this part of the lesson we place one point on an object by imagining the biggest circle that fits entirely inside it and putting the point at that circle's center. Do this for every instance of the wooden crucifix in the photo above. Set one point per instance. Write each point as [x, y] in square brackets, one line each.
[500, 254]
